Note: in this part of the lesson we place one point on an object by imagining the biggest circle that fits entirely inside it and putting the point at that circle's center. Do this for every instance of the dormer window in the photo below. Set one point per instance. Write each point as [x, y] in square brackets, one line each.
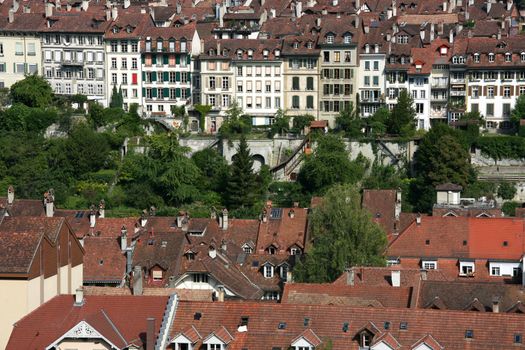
[476, 58]
[284, 272]
[239, 54]
[268, 270]
[402, 39]
[211, 52]
[247, 249]
[183, 45]
[115, 29]
[365, 339]
[159, 45]
[265, 54]
[157, 274]
[309, 45]
[508, 57]
[250, 54]
[148, 45]
[330, 38]
[225, 53]
[277, 53]
[403, 60]
[522, 55]
[172, 45]
[295, 45]
[347, 39]
[272, 250]
[367, 48]
[295, 251]
[491, 57]
[443, 50]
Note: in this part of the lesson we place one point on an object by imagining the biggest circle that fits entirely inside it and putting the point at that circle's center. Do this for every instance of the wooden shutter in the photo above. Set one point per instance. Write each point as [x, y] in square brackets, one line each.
[470, 90]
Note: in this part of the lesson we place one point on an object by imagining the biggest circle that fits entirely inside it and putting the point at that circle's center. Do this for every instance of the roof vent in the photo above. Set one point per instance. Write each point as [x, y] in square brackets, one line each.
[282, 325]
[197, 316]
[345, 327]
[403, 325]
[469, 334]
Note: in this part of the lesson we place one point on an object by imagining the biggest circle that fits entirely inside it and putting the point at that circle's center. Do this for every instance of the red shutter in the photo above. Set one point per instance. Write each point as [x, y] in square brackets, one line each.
[134, 78]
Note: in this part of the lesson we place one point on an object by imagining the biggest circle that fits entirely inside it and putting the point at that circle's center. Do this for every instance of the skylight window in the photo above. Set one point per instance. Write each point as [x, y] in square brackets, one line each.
[345, 327]
[403, 325]
[281, 325]
[469, 334]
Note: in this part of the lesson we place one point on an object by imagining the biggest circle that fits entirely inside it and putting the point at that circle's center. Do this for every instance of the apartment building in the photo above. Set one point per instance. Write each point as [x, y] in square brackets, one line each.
[123, 54]
[167, 68]
[301, 75]
[258, 77]
[338, 64]
[20, 46]
[73, 49]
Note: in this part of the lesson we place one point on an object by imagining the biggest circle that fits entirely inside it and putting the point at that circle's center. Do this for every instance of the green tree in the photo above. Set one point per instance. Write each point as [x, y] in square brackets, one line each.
[518, 113]
[33, 91]
[343, 235]
[300, 122]
[507, 190]
[440, 158]
[235, 123]
[469, 124]
[330, 164]
[214, 170]
[402, 120]
[242, 188]
[377, 123]
[116, 98]
[203, 111]
[281, 123]
[350, 122]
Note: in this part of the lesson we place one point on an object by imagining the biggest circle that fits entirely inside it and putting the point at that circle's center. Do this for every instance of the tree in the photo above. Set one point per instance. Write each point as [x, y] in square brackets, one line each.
[518, 113]
[402, 120]
[116, 98]
[281, 123]
[235, 123]
[241, 190]
[203, 112]
[33, 91]
[349, 121]
[300, 122]
[440, 158]
[214, 170]
[470, 123]
[507, 190]
[329, 165]
[343, 235]
[377, 123]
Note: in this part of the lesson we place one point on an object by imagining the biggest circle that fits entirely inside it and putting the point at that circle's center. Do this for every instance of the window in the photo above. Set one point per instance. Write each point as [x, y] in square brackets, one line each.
[133, 63]
[211, 83]
[376, 65]
[469, 334]
[522, 90]
[134, 47]
[124, 78]
[268, 271]
[326, 56]
[268, 85]
[367, 81]
[258, 71]
[114, 46]
[295, 102]
[476, 58]
[214, 346]
[114, 63]
[239, 71]
[157, 275]
[225, 83]
[268, 103]
[309, 83]
[508, 57]
[375, 81]
[310, 102]
[466, 268]
[365, 339]
[522, 55]
[506, 114]
[491, 57]
[348, 56]
[20, 68]
[277, 102]
[258, 86]
[490, 91]
[32, 68]
[19, 49]
[124, 46]
[506, 91]
[124, 63]
[429, 265]
[402, 39]
[507, 75]
[31, 51]
[225, 100]
[329, 38]
[490, 110]
[367, 65]
[337, 56]
[517, 338]
[200, 278]
[495, 271]
[420, 108]
[347, 39]
[274, 296]
[295, 83]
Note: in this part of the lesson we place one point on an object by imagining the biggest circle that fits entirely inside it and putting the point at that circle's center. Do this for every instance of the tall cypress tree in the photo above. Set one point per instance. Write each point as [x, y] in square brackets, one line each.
[241, 190]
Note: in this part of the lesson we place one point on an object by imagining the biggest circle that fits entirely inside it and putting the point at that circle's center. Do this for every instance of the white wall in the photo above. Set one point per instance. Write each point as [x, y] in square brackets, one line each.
[13, 303]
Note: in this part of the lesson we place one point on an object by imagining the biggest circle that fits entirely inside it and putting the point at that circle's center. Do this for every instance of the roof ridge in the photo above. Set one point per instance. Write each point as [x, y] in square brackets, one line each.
[114, 327]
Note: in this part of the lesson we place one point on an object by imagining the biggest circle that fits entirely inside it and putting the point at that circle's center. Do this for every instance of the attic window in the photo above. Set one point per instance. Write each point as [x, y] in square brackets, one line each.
[247, 249]
[281, 325]
[190, 256]
[427, 242]
[268, 271]
[172, 45]
[272, 250]
[330, 39]
[402, 39]
[306, 322]
[443, 50]
[211, 52]
[522, 57]
[277, 53]
[239, 54]
[296, 45]
[386, 325]
[365, 340]
[197, 316]
[250, 54]
[309, 45]
[159, 45]
[265, 54]
[476, 58]
[295, 251]
[517, 338]
[469, 334]
[505, 243]
[115, 29]
[164, 244]
[508, 57]
[347, 39]
[225, 53]
[345, 327]
[244, 321]
[129, 29]
[491, 57]
[403, 325]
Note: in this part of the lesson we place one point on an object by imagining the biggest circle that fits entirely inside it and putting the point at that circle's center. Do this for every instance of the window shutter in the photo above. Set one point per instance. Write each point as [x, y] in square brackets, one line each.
[143, 76]
[165, 59]
[166, 76]
[153, 76]
[165, 92]
[143, 58]
[501, 90]
[484, 91]
[177, 92]
[188, 59]
[470, 90]
[154, 92]
[144, 92]
[189, 77]
[177, 59]
[153, 59]
[188, 93]
[177, 76]
[517, 90]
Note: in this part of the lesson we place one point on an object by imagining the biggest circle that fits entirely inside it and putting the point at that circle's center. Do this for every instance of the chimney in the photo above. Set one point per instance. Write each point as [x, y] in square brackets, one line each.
[289, 276]
[424, 274]
[469, 33]
[92, 217]
[212, 252]
[495, 304]
[451, 36]
[180, 218]
[127, 3]
[432, 33]
[388, 36]
[123, 238]
[488, 5]
[102, 209]
[10, 195]
[350, 277]
[221, 16]
[11, 15]
[79, 297]
[224, 246]
[418, 219]
[202, 45]
[137, 280]
[503, 24]
[509, 5]
[396, 278]
[422, 34]
[68, 7]
[452, 5]
[16, 5]
[356, 21]
[291, 214]
[299, 9]
[394, 8]
[366, 28]
[225, 219]
[318, 22]
[357, 4]
[220, 294]
[150, 334]
[114, 13]
[470, 2]
[389, 13]
[49, 203]
[48, 9]
[397, 210]
[445, 5]
[178, 8]
[108, 14]
[499, 34]
[85, 5]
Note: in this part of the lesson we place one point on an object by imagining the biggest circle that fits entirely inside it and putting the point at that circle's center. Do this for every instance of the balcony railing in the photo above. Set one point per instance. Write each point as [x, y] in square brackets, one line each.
[457, 93]
[457, 81]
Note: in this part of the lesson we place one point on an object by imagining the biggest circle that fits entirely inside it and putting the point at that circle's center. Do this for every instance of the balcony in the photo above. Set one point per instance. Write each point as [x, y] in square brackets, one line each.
[457, 81]
[439, 98]
[457, 93]
[440, 85]
[438, 114]
[71, 63]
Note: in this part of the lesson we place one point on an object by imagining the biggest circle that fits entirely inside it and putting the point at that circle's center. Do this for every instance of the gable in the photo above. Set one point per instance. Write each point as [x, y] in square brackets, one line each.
[423, 346]
[301, 342]
[381, 346]
[81, 330]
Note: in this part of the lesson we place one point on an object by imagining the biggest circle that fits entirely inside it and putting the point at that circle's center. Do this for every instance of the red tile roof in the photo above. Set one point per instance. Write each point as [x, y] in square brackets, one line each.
[50, 321]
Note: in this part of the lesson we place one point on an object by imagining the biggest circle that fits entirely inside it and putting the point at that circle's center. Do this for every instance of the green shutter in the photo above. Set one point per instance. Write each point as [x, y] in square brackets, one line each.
[177, 92]
[165, 59]
[166, 76]
[154, 92]
[143, 59]
[143, 92]
[177, 76]
[153, 59]
[153, 76]
[143, 76]
[188, 93]
[189, 77]
[188, 59]
[177, 59]
[165, 92]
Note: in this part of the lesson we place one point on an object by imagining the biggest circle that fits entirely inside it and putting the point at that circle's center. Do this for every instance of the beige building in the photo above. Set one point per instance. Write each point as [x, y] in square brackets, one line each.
[40, 258]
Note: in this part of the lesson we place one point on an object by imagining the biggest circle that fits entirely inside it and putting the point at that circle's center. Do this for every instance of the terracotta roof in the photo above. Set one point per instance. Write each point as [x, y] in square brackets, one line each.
[53, 319]
[23, 207]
